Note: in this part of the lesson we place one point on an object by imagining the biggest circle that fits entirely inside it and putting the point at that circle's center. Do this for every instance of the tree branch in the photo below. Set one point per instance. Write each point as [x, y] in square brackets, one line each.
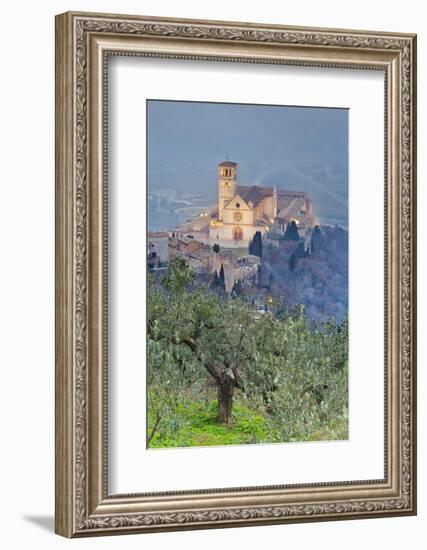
[213, 370]
[154, 429]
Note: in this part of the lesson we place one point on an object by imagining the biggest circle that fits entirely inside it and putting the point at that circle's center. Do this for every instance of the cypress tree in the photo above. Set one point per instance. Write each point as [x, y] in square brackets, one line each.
[221, 275]
[259, 243]
[291, 233]
[316, 239]
[255, 245]
[216, 282]
[251, 246]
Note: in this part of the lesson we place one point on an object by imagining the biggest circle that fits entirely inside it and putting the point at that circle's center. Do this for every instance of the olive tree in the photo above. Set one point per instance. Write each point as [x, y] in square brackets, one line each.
[198, 328]
[295, 373]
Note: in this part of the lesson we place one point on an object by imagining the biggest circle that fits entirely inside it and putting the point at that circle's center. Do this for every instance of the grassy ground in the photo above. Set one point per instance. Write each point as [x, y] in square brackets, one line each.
[195, 425]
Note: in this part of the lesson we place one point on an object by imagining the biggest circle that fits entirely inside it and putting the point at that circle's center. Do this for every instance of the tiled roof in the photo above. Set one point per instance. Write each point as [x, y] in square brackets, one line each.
[284, 193]
[201, 253]
[227, 163]
[254, 193]
[290, 207]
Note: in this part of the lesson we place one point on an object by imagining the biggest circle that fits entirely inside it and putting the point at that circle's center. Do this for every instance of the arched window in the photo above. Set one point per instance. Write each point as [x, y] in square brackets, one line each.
[237, 233]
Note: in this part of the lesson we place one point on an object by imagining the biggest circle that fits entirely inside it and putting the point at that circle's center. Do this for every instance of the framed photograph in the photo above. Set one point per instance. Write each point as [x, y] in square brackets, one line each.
[235, 274]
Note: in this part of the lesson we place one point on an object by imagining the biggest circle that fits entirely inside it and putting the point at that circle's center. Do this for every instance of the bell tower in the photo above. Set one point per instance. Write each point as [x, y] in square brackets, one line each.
[226, 184]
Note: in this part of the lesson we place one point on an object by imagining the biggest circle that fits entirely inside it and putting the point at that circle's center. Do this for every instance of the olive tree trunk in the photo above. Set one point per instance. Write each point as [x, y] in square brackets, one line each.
[225, 399]
[226, 379]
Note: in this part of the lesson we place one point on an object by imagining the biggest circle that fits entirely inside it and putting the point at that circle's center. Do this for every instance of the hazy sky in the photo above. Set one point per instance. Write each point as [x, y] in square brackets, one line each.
[291, 147]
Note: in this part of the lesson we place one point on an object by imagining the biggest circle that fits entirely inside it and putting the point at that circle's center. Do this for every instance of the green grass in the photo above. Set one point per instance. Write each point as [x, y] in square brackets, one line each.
[337, 430]
[196, 426]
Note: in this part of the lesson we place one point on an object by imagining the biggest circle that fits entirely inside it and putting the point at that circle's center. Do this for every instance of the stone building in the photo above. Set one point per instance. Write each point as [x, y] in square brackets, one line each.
[242, 210]
[157, 248]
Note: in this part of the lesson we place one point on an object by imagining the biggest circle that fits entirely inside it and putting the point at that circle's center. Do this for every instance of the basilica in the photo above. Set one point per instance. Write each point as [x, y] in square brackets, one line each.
[243, 210]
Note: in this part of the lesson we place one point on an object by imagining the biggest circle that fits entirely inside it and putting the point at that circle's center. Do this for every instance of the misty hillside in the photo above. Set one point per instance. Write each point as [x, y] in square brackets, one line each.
[319, 280]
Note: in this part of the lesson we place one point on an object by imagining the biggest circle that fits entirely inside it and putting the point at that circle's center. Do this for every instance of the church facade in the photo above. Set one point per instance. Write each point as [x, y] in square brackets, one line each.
[243, 210]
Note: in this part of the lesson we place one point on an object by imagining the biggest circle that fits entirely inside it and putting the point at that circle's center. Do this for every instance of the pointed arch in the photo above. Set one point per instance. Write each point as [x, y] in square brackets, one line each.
[237, 233]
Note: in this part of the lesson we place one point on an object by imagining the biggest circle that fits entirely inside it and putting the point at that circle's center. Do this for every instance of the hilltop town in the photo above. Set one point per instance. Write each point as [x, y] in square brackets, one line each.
[262, 243]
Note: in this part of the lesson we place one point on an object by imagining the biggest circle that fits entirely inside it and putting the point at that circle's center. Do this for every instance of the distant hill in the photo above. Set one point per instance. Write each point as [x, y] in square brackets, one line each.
[325, 185]
[167, 208]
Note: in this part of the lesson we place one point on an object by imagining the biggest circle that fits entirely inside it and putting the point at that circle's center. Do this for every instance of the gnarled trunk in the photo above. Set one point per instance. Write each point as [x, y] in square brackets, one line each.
[225, 399]
[226, 379]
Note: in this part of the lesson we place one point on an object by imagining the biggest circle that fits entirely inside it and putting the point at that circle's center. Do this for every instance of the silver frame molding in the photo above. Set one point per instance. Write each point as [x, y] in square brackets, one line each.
[83, 43]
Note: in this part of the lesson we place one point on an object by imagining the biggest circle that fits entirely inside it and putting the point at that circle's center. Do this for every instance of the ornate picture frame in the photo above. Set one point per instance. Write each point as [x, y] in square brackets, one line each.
[84, 42]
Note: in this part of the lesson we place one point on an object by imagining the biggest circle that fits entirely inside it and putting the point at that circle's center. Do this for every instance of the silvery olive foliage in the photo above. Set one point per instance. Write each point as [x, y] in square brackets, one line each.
[294, 373]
